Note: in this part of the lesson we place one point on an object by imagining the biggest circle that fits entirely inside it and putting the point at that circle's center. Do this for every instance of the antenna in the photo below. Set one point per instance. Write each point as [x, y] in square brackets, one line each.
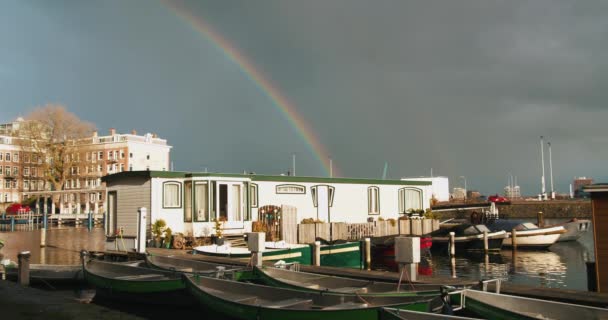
[385, 170]
[331, 168]
[542, 164]
[551, 171]
[293, 164]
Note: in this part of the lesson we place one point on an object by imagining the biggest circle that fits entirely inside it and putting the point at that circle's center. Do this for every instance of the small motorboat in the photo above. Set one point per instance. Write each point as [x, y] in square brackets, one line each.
[575, 228]
[528, 234]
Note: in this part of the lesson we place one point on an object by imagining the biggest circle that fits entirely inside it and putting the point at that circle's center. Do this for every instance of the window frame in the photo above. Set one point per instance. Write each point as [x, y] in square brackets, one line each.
[179, 194]
[402, 199]
[253, 195]
[290, 185]
[373, 191]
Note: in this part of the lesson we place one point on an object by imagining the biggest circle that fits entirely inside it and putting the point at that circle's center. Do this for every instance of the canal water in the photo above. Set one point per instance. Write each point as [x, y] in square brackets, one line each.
[563, 265]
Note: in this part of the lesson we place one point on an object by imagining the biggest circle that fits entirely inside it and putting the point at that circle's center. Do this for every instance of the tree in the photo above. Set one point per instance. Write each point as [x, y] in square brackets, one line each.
[54, 135]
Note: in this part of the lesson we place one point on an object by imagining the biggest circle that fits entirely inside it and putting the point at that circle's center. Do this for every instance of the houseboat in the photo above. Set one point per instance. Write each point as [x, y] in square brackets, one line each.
[190, 203]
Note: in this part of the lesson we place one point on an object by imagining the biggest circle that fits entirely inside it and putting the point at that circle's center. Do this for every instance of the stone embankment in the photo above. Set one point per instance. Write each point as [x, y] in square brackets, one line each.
[556, 209]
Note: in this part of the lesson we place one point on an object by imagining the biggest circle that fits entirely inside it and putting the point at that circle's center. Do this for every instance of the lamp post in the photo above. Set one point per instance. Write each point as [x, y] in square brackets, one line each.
[465, 187]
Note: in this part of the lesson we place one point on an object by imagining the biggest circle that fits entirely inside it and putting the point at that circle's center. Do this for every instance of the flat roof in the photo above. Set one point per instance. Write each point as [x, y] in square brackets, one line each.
[255, 177]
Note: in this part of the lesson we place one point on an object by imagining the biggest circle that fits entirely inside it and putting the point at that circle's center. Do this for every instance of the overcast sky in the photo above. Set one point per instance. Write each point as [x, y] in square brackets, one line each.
[463, 87]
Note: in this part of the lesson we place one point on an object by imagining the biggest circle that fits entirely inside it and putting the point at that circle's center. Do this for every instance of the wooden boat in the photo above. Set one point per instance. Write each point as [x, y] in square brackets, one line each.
[501, 306]
[528, 234]
[49, 273]
[468, 237]
[323, 283]
[139, 284]
[173, 263]
[250, 301]
[398, 314]
[575, 228]
[333, 255]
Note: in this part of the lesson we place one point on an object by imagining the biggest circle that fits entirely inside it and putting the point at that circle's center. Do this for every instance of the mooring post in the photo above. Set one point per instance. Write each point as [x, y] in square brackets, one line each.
[43, 237]
[514, 239]
[453, 264]
[541, 219]
[12, 223]
[256, 243]
[485, 242]
[45, 220]
[316, 253]
[452, 244]
[368, 253]
[23, 274]
[407, 256]
[90, 221]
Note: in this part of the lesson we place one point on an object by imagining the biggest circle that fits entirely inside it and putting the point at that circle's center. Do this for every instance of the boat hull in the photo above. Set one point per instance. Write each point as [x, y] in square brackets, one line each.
[474, 244]
[574, 230]
[346, 255]
[532, 241]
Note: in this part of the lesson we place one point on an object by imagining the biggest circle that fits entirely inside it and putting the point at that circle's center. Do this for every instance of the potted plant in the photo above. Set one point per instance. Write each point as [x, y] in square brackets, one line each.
[217, 238]
[158, 228]
[168, 238]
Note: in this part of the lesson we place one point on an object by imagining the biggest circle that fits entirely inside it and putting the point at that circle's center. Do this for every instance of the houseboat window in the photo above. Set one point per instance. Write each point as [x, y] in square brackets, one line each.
[253, 195]
[291, 189]
[237, 202]
[409, 199]
[373, 200]
[171, 195]
[188, 201]
[330, 194]
[201, 202]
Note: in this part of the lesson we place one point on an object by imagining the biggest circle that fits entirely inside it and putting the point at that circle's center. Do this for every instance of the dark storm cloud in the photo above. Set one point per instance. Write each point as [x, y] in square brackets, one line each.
[463, 87]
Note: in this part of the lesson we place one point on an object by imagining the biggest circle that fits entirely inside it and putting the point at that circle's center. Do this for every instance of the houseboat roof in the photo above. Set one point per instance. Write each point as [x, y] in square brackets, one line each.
[254, 177]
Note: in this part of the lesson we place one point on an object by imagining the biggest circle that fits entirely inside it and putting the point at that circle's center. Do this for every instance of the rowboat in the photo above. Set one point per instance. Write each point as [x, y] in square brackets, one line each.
[49, 273]
[528, 234]
[139, 284]
[398, 314]
[176, 264]
[313, 282]
[251, 301]
[575, 228]
[469, 237]
[501, 306]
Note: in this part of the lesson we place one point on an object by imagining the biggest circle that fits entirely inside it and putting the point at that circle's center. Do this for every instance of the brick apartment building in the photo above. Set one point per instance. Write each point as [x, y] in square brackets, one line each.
[83, 190]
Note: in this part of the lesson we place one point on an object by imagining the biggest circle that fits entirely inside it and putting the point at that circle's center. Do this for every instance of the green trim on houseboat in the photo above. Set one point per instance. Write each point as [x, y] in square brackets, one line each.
[346, 255]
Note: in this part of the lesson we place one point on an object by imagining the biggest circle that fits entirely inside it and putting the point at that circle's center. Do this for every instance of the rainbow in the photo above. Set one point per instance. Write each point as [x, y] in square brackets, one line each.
[285, 107]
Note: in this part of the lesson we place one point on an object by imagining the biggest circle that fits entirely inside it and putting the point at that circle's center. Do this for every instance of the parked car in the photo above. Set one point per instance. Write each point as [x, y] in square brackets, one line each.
[498, 199]
[16, 208]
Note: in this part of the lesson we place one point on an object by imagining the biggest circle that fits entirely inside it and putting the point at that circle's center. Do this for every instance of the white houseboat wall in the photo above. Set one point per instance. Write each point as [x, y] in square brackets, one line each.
[190, 202]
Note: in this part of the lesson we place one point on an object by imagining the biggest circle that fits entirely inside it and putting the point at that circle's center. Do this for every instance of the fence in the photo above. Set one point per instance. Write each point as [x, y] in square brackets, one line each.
[307, 233]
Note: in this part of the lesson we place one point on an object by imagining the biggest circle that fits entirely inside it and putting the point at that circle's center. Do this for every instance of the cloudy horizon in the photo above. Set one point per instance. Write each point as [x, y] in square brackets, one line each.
[463, 88]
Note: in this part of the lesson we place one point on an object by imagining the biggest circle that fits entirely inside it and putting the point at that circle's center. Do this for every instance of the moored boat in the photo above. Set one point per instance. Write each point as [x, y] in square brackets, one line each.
[468, 237]
[501, 306]
[250, 301]
[398, 314]
[528, 234]
[173, 263]
[324, 283]
[138, 284]
[49, 273]
[575, 228]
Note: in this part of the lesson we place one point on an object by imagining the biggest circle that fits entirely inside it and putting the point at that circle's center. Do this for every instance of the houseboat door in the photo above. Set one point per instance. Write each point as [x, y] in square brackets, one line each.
[230, 204]
[323, 203]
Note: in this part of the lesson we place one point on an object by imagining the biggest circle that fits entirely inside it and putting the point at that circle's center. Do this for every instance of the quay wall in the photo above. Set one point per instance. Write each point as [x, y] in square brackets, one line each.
[558, 209]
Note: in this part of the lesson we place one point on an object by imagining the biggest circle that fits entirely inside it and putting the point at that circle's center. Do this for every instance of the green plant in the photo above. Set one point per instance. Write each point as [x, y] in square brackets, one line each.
[429, 214]
[158, 228]
[380, 219]
[392, 221]
[218, 228]
[168, 237]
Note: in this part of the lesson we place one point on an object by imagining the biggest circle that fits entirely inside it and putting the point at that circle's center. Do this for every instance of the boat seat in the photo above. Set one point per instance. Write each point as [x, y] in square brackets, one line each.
[287, 303]
[347, 305]
[349, 289]
[141, 277]
[236, 297]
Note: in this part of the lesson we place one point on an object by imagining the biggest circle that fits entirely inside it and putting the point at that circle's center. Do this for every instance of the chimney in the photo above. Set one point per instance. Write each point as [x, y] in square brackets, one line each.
[133, 132]
[112, 131]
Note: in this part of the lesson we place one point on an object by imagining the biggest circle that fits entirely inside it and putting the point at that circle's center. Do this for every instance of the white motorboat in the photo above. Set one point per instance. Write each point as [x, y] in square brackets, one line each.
[575, 228]
[528, 234]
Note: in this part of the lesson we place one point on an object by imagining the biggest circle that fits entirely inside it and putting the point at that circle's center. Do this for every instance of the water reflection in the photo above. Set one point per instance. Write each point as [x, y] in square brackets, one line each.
[63, 244]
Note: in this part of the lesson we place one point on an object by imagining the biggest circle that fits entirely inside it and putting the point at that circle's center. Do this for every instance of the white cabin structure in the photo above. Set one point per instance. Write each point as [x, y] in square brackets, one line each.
[190, 202]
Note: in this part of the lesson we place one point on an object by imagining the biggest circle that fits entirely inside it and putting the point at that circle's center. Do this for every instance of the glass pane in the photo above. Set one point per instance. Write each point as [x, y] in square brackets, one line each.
[171, 195]
[236, 202]
[201, 203]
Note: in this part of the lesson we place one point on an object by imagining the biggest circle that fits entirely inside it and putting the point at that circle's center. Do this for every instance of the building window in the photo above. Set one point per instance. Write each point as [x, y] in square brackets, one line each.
[7, 184]
[290, 189]
[7, 171]
[171, 195]
[373, 200]
[100, 155]
[148, 157]
[15, 171]
[26, 185]
[330, 194]
[1, 156]
[130, 154]
[122, 167]
[15, 157]
[410, 199]
[201, 201]
[253, 195]
[0, 170]
[34, 171]
[8, 156]
[122, 154]
[26, 171]
[26, 158]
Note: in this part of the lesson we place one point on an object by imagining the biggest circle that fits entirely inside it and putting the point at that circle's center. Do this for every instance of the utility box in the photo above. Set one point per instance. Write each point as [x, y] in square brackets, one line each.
[256, 241]
[407, 249]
